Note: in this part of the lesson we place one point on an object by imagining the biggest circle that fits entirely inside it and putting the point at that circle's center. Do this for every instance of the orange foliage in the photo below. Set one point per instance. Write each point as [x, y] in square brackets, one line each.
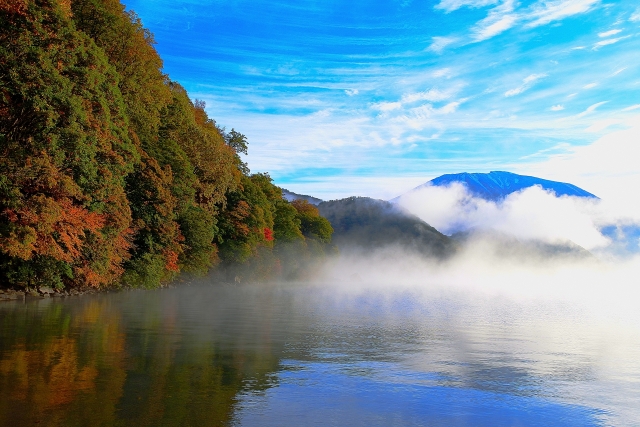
[46, 226]
[171, 261]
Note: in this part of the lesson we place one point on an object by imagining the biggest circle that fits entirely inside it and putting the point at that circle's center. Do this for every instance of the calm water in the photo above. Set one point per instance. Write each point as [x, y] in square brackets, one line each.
[296, 355]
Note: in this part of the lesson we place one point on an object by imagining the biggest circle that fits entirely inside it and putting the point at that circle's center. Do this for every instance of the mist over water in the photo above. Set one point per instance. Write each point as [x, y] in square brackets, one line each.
[491, 336]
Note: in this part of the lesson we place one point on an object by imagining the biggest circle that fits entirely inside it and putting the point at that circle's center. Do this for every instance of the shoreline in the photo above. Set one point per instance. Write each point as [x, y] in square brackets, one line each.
[8, 294]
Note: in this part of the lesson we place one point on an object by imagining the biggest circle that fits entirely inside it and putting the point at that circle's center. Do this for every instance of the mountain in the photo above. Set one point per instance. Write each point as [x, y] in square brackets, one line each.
[497, 185]
[365, 223]
[291, 196]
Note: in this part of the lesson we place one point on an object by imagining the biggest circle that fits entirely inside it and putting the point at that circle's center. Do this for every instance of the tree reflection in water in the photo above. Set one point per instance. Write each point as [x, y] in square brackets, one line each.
[136, 358]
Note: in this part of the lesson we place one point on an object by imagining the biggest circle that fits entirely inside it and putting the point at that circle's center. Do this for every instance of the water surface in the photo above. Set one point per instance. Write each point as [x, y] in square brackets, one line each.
[270, 355]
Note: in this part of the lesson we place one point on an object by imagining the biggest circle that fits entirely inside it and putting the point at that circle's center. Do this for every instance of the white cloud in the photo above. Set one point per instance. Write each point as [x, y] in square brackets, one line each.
[558, 107]
[432, 95]
[600, 125]
[386, 106]
[544, 12]
[608, 168]
[529, 214]
[500, 19]
[492, 27]
[451, 5]
[440, 43]
[635, 17]
[442, 72]
[591, 109]
[351, 92]
[632, 107]
[527, 82]
[615, 73]
[609, 33]
[607, 42]
[590, 86]
[449, 108]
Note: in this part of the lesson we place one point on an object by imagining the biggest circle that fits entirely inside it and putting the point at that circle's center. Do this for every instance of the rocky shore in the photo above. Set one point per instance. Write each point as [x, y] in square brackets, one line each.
[43, 292]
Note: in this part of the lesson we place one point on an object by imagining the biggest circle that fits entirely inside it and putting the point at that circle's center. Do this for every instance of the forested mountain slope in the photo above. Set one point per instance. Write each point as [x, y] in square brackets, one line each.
[367, 224]
[109, 173]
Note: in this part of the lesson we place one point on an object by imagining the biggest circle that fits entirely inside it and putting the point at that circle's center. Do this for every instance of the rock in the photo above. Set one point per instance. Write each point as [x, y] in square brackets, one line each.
[45, 290]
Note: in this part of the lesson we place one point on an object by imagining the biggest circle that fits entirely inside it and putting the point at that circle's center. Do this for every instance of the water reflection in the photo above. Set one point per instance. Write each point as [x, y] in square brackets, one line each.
[295, 355]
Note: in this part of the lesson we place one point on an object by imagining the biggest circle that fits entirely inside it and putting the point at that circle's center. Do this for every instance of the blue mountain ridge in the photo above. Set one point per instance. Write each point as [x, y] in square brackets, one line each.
[497, 185]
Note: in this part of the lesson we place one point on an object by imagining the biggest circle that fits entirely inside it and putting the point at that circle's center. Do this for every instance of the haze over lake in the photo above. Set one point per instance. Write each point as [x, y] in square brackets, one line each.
[371, 342]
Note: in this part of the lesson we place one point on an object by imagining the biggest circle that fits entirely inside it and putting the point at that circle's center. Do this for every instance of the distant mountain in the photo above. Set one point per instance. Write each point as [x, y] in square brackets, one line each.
[497, 185]
[364, 223]
[291, 196]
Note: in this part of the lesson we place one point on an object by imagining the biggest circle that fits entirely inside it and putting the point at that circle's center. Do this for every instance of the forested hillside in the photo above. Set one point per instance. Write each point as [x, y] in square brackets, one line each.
[110, 175]
[362, 223]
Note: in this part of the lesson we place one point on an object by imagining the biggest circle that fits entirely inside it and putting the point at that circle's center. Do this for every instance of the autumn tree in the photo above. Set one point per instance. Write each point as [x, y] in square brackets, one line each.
[64, 216]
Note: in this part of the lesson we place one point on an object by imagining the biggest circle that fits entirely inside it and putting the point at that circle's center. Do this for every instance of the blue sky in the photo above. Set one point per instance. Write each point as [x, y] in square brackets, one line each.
[372, 98]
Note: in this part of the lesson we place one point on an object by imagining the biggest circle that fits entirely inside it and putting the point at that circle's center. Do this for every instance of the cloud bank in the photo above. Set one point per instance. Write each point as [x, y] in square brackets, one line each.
[531, 214]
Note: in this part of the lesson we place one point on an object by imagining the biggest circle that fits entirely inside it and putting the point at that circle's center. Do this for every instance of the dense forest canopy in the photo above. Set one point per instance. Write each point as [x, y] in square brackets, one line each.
[111, 175]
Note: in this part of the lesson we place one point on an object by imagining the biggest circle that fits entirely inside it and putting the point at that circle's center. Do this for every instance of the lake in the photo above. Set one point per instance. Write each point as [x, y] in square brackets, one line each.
[291, 355]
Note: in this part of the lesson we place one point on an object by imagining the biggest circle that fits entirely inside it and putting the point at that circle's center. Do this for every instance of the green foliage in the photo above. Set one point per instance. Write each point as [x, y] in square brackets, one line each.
[313, 225]
[62, 204]
[286, 223]
[199, 230]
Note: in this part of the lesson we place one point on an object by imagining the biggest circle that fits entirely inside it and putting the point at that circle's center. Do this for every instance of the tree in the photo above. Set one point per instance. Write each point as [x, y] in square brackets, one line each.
[313, 226]
[64, 151]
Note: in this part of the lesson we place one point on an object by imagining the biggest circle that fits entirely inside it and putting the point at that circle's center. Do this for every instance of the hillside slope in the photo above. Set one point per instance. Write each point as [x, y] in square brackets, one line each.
[365, 223]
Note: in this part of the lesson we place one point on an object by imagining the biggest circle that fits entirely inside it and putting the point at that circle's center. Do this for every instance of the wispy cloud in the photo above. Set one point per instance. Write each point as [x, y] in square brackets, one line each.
[607, 42]
[591, 108]
[600, 125]
[632, 107]
[500, 19]
[615, 73]
[609, 33]
[432, 95]
[590, 86]
[527, 82]
[635, 16]
[373, 86]
[451, 5]
[438, 43]
[545, 12]
[386, 106]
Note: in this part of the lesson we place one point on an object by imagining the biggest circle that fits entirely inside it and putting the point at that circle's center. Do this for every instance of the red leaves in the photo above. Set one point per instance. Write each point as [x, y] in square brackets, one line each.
[171, 261]
[268, 234]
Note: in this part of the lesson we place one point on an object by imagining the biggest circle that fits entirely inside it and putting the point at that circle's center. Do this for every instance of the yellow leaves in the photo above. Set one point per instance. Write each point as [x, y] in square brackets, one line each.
[65, 6]
[305, 208]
